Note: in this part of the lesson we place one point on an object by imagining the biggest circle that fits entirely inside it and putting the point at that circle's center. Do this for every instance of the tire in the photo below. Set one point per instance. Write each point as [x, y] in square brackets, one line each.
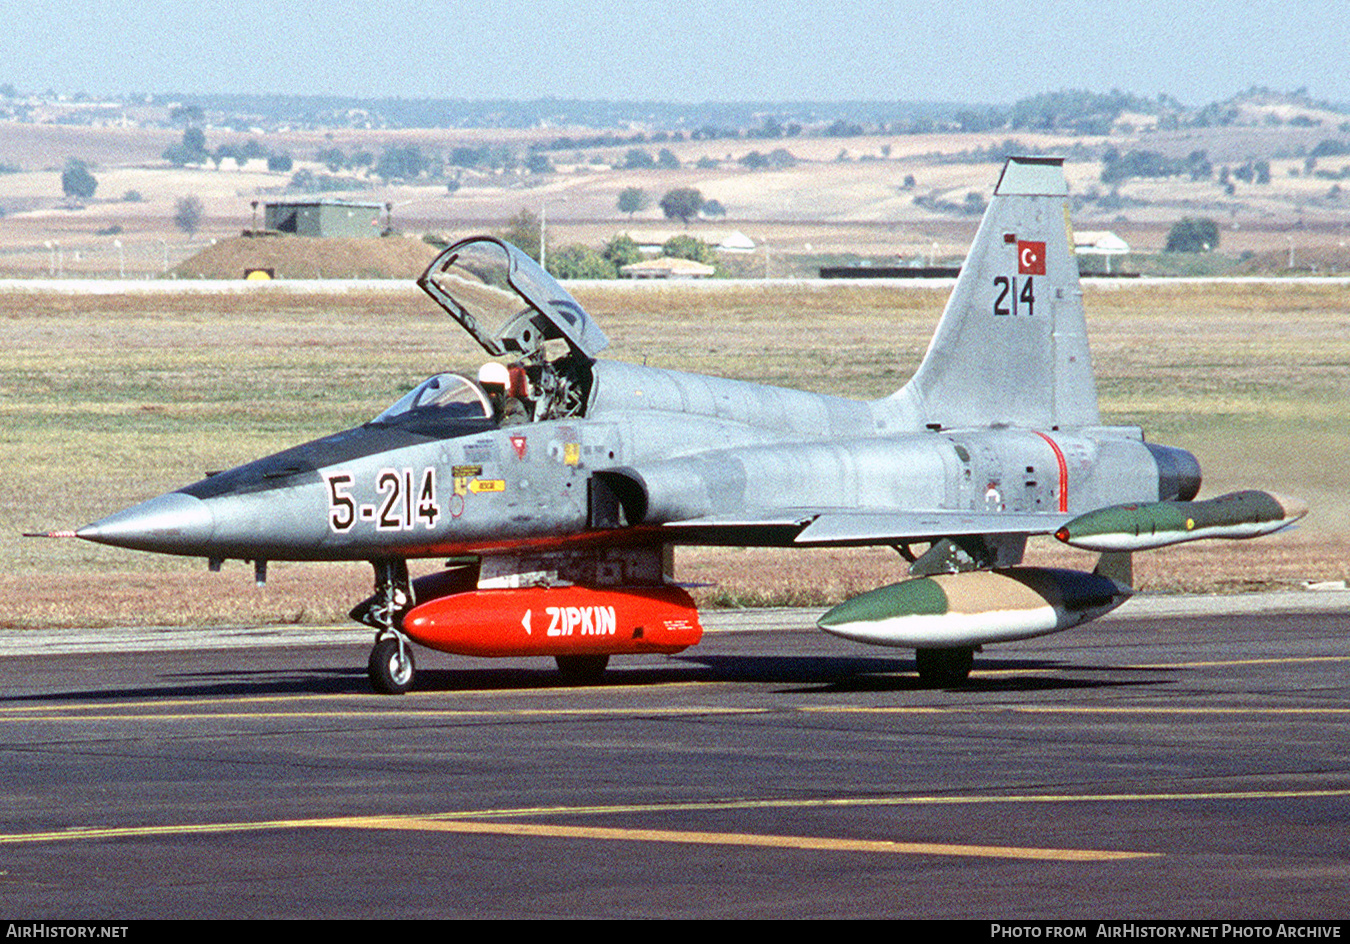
[944, 668]
[390, 675]
[582, 669]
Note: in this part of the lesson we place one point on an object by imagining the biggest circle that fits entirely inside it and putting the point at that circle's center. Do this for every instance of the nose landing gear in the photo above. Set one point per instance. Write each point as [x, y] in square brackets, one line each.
[391, 667]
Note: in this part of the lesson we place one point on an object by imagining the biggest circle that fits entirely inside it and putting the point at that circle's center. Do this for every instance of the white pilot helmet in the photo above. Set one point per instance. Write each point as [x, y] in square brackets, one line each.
[493, 373]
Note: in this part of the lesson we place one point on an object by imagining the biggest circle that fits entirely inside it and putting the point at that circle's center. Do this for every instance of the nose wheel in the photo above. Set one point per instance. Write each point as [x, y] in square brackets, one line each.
[391, 666]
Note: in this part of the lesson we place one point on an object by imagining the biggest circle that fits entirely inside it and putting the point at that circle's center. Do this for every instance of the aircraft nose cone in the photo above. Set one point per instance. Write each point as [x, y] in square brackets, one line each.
[170, 524]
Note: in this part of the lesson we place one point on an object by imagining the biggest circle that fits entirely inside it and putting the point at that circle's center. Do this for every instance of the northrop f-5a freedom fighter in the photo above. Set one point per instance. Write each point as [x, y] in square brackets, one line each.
[558, 482]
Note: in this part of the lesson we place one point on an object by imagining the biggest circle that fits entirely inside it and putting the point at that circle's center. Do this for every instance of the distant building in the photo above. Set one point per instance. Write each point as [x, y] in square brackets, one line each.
[667, 268]
[1099, 243]
[736, 241]
[651, 243]
[324, 218]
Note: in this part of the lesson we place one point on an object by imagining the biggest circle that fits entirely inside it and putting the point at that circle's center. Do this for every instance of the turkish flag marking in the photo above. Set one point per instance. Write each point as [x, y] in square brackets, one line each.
[1030, 258]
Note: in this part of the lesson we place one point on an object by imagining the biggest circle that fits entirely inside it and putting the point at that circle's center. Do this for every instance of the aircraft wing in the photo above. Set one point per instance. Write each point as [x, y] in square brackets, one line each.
[897, 527]
[808, 527]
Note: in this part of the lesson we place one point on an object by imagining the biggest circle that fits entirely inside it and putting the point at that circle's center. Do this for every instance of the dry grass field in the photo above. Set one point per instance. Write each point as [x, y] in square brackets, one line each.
[108, 399]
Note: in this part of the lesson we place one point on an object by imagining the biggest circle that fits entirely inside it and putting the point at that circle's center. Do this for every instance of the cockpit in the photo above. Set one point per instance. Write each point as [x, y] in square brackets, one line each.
[500, 397]
[514, 309]
[449, 396]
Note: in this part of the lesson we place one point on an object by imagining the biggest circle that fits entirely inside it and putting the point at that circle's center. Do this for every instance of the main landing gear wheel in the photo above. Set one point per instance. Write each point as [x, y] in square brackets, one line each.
[582, 669]
[391, 667]
[943, 668]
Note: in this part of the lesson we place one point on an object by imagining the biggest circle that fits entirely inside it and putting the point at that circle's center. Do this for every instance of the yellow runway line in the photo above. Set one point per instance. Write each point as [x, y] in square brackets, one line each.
[815, 843]
[412, 715]
[595, 833]
[493, 822]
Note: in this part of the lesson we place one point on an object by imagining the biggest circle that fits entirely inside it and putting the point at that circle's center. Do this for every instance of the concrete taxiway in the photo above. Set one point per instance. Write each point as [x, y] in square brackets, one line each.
[1160, 766]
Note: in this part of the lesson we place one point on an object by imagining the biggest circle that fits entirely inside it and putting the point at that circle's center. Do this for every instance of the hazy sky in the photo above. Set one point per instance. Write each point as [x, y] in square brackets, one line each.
[694, 50]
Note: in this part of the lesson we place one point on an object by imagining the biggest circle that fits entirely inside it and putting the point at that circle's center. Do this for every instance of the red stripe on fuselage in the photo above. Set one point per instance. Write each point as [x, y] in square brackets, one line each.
[1063, 471]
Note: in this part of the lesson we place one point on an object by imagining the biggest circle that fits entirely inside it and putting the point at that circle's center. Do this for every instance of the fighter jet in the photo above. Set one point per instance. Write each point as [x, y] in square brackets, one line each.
[556, 484]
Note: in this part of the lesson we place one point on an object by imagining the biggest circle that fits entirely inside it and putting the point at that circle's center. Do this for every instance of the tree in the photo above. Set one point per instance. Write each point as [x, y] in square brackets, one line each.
[233, 152]
[682, 203]
[667, 160]
[191, 150]
[187, 214]
[1193, 235]
[684, 246]
[1117, 167]
[580, 262]
[638, 159]
[843, 129]
[1330, 147]
[633, 200]
[771, 128]
[332, 158]
[280, 162]
[186, 114]
[622, 250]
[522, 231]
[76, 181]
[714, 208]
[1198, 165]
[468, 156]
[402, 163]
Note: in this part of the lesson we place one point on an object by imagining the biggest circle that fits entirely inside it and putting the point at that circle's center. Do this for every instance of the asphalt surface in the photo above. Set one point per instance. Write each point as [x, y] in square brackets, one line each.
[1161, 766]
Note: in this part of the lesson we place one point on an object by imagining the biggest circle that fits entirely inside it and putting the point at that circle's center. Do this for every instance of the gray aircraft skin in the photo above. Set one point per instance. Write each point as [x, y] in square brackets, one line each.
[585, 471]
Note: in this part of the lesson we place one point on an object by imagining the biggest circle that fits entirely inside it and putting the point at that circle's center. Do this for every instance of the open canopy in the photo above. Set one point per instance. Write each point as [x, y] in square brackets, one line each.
[507, 302]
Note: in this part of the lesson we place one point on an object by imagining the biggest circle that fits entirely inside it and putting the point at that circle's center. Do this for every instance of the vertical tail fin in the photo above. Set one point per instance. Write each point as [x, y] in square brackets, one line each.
[1012, 343]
